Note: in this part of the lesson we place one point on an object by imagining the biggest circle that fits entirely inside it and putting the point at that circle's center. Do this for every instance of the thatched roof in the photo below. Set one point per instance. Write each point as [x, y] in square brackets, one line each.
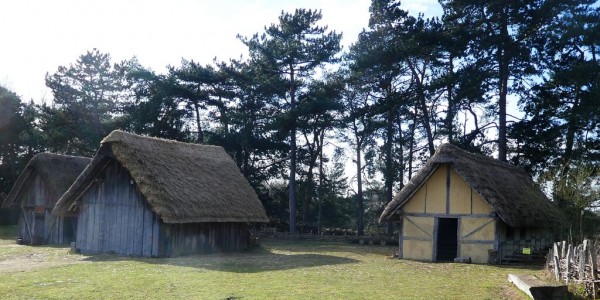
[57, 171]
[183, 183]
[508, 189]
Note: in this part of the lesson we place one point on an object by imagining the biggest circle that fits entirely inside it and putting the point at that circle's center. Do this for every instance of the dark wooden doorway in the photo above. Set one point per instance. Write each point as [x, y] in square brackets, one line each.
[447, 239]
[69, 229]
[39, 229]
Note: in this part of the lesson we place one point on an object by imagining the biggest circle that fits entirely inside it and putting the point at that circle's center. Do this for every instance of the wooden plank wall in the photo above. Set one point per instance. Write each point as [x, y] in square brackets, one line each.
[180, 239]
[115, 218]
[43, 226]
[534, 238]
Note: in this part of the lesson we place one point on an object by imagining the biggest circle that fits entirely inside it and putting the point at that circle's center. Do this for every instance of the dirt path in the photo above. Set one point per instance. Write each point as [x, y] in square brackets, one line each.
[20, 258]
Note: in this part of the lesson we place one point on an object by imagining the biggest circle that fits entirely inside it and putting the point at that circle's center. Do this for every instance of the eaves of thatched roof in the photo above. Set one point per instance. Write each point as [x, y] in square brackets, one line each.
[182, 182]
[57, 171]
[508, 189]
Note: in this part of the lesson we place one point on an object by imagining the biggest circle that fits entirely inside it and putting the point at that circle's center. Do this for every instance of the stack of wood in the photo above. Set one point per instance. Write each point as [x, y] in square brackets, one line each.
[575, 265]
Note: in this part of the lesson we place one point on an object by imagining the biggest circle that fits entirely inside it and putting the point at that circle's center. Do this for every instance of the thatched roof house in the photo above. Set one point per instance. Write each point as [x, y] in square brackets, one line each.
[37, 189]
[471, 190]
[189, 190]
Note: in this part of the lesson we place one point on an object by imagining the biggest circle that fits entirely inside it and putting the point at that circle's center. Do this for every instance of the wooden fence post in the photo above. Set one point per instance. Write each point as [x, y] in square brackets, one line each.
[582, 256]
[568, 264]
[556, 262]
[594, 263]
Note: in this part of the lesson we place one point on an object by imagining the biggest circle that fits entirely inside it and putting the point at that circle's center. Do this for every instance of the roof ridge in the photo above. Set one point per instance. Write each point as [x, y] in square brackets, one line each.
[480, 157]
[118, 135]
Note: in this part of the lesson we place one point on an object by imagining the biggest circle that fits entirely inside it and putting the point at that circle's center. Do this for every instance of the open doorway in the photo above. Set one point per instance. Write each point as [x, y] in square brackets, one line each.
[447, 239]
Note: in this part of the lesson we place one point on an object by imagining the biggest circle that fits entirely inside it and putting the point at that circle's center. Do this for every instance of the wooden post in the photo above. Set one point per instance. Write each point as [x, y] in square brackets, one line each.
[549, 258]
[27, 225]
[582, 256]
[537, 289]
[556, 261]
[594, 263]
[568, 264]
[563, 249]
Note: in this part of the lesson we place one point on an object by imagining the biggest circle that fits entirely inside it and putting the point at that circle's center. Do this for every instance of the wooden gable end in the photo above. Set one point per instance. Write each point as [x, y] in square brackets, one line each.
[114, 216]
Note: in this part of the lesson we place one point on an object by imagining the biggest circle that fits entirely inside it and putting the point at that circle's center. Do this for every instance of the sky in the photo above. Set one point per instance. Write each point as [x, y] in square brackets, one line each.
[38, 36]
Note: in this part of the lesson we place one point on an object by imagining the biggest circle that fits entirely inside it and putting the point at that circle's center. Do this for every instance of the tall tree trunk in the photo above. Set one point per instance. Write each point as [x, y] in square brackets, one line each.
[198, 124]
[292, 183]
[503, 65]
[360, 207]
[450, 113]
[314, 154]
[411, 145]
[570, 135]
[423, 103]
[321, 180]
[389, 168]
[308, 195]
[246, 163]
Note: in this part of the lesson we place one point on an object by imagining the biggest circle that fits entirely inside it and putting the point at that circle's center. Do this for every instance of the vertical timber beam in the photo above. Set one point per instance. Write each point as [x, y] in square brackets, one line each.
[401, 239]
[435, 238]
[458, 237]
[448, 169]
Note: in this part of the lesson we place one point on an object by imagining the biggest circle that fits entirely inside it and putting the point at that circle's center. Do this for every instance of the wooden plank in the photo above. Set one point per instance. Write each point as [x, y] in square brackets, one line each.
[582, 250]
[147, 232]
[27, 225]
[556, 268]
[81, 226]
[155, 234]
[401, 239]
[568, 263]
[537, 289]
[593, 263]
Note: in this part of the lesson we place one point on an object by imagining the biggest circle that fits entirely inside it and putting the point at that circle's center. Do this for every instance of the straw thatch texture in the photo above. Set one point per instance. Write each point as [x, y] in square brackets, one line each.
[56, 170]
[508, 189]
[183, 183]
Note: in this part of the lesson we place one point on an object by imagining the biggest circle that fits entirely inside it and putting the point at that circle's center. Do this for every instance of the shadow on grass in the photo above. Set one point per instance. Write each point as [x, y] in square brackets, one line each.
[9, 232]
[295, 245]
[524, 267]
[253, 261]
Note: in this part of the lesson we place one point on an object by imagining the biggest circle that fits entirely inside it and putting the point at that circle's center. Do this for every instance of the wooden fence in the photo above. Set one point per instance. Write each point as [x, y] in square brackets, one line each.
[366, 240]
[576, 265]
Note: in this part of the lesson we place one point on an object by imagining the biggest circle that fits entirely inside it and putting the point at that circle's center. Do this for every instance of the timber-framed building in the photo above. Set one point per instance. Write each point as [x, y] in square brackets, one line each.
[462, 204]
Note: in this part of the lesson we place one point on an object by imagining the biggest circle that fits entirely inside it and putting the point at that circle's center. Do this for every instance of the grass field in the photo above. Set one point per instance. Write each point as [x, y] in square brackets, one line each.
[280, 269]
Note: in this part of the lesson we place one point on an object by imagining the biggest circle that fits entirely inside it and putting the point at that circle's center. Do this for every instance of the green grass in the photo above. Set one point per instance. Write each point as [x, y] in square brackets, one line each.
[279, 270]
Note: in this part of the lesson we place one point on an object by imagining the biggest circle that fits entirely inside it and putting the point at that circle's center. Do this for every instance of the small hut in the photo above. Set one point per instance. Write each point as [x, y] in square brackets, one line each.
[462, 204]
[151, 197]
[37, 189]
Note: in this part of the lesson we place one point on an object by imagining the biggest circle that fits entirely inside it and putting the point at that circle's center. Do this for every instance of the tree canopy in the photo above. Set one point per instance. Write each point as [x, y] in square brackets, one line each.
[326, 136]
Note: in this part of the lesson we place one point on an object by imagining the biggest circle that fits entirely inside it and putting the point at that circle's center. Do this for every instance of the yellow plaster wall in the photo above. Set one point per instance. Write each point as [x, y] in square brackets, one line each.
[460, 194]
[417, 250]
[416, 204]
[468, 225]
[436, 191]
[480, 206]
[422, 229]
[477, 252]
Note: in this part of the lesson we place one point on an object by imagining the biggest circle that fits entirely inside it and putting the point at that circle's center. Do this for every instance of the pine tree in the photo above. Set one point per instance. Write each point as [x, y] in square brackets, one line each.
[293, 49]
